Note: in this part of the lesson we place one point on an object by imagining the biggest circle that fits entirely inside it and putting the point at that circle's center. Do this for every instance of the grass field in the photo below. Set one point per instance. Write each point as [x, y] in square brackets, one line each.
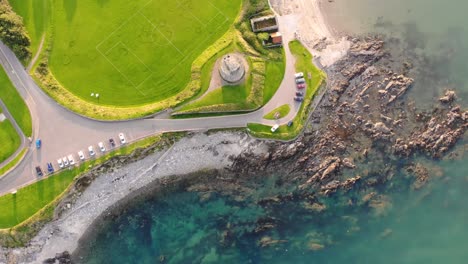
[142, 50]
[35, 14]
[27, 201]
[15, 104]
[303, 64]
[10, 140]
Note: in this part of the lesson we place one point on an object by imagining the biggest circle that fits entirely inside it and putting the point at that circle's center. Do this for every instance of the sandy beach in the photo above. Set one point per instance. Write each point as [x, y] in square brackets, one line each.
[314, 29]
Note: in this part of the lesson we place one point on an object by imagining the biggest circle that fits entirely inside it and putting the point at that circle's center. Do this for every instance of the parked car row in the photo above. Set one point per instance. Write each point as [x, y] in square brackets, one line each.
[300, 84]
[70, 159]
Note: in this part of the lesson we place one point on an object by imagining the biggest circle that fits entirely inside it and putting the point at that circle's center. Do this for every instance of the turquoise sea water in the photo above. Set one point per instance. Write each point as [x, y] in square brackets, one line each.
[429, 225]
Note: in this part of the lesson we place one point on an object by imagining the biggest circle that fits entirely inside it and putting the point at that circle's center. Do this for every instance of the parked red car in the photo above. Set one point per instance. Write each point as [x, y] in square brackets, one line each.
[301, 85]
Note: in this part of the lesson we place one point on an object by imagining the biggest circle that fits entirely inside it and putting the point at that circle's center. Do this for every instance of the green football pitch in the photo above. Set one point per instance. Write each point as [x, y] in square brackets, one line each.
[133, 52]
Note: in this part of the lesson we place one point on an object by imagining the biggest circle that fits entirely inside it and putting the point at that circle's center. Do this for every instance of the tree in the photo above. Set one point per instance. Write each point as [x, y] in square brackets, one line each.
[13, 33]
[263, 36]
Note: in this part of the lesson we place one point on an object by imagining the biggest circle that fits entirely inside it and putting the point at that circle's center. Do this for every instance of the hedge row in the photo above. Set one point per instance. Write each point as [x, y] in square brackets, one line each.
[256, 92]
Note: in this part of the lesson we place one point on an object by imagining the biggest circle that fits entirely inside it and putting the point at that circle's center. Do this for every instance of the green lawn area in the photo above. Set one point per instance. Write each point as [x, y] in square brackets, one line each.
[303, 64]
[282, 110]
[15, 104]
[226, 95]
[262, 81]
[29, 200]
[141, 52]
[35, 15]
[10, 140]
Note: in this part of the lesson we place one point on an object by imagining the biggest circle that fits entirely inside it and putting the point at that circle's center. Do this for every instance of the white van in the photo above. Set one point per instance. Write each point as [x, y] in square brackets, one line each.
[274, 128]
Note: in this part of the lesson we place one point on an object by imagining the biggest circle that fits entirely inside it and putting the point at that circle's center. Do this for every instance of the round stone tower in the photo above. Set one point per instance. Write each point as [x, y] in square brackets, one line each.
[232, 69]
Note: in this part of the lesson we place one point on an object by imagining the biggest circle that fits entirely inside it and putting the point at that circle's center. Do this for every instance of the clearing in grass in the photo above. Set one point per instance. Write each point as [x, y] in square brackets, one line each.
[279, 112]
[140, 53]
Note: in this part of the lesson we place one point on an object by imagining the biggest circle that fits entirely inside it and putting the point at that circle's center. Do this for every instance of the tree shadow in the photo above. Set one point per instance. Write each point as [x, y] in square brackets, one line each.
[70, 9]
[102, 2]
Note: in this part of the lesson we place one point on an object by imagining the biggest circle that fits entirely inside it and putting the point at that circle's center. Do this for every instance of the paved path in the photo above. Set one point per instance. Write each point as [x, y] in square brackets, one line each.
[63, 132]
[20, 133]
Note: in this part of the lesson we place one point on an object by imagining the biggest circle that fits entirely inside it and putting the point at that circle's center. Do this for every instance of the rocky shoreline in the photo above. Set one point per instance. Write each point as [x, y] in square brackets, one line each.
[370, 133]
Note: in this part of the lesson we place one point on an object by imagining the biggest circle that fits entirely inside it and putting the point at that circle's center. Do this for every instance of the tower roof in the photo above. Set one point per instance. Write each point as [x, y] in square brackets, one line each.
[232, 69]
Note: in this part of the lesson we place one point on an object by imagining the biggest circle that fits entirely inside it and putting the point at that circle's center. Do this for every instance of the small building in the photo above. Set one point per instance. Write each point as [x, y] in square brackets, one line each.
[264, 24]
[276, 38]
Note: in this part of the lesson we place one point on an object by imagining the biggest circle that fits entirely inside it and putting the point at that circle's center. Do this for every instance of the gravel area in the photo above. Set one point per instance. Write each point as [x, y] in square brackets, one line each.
[190, 154]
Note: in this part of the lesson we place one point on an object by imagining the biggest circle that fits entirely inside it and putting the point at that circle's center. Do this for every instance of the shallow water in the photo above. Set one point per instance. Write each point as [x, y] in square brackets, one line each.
[434, 29]
[424, 226]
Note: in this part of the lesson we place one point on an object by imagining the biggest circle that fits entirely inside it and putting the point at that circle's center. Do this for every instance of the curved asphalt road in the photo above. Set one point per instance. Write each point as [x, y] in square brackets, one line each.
[63, 132]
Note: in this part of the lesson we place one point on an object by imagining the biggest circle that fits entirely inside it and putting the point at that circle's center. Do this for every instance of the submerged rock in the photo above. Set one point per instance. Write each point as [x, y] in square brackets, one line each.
[315, 246]
[268, 241]
[449, 97]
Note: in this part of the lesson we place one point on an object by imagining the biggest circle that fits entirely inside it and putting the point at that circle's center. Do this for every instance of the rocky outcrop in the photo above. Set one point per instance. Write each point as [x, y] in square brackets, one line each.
[60, 258]
[449, 97]
[437, 136]
[395, 87]
[329, 166]
[420, 173]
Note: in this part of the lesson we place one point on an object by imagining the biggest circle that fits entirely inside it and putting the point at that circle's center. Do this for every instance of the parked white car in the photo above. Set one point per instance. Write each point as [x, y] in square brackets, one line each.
[71, 159]
[91, 151]
[102, 147]
[299, 75]
[60, 163]
[122, 138]
[81, 155]
[274, 128]
[65, 161]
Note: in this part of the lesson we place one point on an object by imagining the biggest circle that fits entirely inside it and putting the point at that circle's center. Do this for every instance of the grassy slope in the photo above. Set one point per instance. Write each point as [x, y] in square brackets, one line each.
[303, 64]
[15, 104]
[10, 140]
[224, 95]
[207, 69]
[29, 200]
[35, 14]
[274, 74]
[125, 51]
[283, 110]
